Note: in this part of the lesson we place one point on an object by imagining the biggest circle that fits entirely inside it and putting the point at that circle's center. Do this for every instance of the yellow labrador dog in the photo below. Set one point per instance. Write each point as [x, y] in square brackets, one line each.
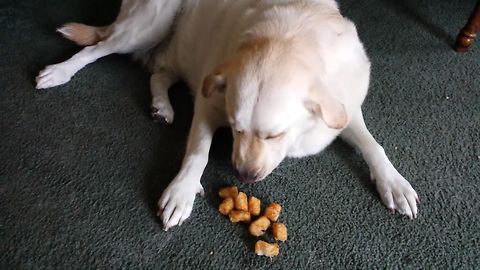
[288, 76]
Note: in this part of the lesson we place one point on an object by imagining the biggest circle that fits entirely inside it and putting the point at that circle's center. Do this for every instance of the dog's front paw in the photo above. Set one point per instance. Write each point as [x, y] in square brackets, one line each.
[176, 202]
[162, 111]
[396, 192]
[52, 76]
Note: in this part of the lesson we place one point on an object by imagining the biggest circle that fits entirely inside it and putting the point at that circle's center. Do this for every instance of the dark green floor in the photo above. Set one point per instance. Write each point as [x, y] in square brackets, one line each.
[82, 165]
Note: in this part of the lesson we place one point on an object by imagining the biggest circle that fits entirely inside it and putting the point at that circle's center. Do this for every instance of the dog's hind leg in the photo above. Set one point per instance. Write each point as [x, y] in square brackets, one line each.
[84, 35]
[61, 73]
[140, 26]
[161, 109]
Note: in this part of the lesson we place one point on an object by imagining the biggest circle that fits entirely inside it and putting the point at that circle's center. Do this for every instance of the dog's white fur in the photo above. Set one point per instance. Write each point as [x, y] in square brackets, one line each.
[288, 76]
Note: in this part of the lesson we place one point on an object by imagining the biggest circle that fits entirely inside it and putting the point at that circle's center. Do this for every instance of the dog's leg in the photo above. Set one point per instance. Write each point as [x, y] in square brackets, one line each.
[162, 110]
[395, 192]
[176, 202]
[61, 73]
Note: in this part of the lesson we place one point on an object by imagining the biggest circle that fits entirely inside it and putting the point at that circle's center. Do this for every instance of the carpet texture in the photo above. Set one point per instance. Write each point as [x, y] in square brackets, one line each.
[82, 165]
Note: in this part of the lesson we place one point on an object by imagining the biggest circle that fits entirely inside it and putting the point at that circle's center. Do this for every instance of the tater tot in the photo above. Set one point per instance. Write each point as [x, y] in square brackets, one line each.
[279, 231]
[241, 202]
[254, 206]
[226, 206]
[227, 192]
[239, 216]
[272, 212]
[263, 248]
[259, 226]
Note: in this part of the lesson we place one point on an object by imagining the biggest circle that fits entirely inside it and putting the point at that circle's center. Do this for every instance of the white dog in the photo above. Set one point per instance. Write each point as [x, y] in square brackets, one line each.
[288, 76]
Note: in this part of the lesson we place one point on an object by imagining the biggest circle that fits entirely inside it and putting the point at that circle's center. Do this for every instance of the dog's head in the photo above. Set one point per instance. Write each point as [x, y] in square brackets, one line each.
[272, 97]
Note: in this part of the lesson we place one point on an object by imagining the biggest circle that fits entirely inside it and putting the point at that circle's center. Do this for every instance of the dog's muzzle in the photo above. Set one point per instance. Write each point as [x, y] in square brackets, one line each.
[246, 177]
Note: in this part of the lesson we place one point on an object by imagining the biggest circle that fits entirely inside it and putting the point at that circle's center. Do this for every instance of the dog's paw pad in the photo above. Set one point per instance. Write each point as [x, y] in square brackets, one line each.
[158, 117]
[161, 116]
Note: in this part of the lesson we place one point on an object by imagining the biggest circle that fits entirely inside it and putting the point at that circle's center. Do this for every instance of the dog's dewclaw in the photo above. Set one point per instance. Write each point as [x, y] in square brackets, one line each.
[254, 206]
[227, 192]
[226, 206]
[279, 231]
[259, 226]
[272, 212]
[239, 216]
[241, 202]
[263, 248]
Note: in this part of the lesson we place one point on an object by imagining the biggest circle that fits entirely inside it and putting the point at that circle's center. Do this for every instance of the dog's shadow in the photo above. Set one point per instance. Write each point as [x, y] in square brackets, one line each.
[353, 161]
[169, 148]
[168, 153]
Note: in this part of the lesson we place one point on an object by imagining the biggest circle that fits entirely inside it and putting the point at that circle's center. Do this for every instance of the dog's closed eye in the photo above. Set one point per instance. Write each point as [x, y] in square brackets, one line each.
[275, 136]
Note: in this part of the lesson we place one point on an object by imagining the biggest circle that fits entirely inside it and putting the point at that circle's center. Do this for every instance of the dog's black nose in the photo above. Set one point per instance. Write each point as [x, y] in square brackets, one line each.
[246, 176]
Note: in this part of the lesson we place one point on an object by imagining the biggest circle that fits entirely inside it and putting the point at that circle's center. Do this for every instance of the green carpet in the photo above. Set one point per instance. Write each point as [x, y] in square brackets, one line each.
[82, 165]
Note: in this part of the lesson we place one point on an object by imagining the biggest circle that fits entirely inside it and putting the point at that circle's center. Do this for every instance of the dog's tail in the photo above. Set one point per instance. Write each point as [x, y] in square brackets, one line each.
[84, 35]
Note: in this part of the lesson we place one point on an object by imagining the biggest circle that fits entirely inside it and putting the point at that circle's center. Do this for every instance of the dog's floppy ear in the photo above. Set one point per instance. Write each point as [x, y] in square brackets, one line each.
[324, 105]
[216, 81]
[213, 82]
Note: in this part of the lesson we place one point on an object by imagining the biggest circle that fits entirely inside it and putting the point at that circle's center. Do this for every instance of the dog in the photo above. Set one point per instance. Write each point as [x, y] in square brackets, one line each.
[287, 76]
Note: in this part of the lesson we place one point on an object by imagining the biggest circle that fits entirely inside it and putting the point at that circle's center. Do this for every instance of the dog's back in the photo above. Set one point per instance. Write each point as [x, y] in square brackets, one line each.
[210, 31]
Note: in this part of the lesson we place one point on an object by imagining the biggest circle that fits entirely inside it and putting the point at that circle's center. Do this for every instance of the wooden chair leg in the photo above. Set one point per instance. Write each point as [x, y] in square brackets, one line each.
[468, 33]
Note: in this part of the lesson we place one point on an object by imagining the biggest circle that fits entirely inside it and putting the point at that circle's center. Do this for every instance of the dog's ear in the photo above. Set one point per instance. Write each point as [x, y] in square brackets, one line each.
[216, 81]
[323, 104]
[213, 82]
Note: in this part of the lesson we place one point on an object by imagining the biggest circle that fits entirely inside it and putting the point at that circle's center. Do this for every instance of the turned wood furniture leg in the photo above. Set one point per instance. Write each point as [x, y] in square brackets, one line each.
[468, 33]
